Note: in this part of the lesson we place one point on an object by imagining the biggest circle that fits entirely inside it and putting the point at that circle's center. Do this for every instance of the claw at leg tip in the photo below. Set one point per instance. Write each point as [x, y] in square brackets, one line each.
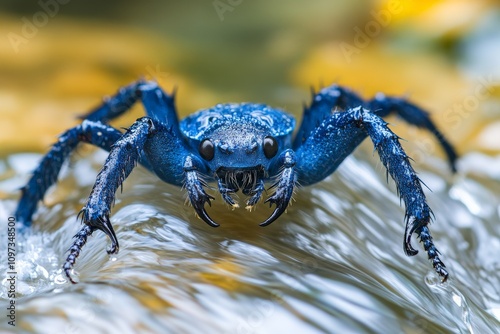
[203, 215]
[275, 215]
[113, 249]
[408, 248]
[68, 275]
[443, 273]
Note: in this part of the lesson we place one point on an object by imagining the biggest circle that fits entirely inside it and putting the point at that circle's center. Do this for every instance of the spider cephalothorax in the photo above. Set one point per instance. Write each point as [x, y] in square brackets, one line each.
[240, 147]
[238, 144]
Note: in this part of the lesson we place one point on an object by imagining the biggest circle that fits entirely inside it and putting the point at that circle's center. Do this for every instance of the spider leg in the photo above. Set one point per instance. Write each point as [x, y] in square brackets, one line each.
[337, 136]
[75, 249]
[384, 105]
[330, 98]
[322, 106]
[123, 157]
[195, 188]
[126, 97]
[284, 168]
[115, 105]
[159, 106]
[168, 155]
[95, 133]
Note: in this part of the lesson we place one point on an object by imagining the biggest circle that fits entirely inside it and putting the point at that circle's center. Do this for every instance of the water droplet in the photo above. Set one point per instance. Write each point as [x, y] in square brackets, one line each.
[431, 279]
[60, 279]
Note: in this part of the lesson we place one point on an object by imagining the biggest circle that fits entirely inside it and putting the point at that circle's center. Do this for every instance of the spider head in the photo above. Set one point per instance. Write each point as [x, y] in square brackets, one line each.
[239, 144]
[238, 157]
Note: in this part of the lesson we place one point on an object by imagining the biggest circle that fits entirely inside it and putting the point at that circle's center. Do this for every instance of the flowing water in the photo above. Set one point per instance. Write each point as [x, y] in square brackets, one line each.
[333, 263]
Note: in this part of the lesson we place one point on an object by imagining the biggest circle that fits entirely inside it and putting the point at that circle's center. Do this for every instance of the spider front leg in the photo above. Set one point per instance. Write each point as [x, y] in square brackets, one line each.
[336, 138]
[123, 157]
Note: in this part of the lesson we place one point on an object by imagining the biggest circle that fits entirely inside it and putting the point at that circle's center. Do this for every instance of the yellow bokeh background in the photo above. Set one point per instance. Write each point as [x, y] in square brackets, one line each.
[70, 64]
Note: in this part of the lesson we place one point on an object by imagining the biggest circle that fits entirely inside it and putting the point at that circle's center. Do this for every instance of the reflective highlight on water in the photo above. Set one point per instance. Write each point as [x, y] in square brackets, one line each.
[333, 263]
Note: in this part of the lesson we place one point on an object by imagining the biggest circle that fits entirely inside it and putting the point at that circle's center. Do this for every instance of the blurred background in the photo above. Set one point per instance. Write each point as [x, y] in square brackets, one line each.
[58, 58]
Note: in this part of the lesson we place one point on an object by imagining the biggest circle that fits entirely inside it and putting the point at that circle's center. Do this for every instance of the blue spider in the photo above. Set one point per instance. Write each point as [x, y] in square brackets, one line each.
[240, 147]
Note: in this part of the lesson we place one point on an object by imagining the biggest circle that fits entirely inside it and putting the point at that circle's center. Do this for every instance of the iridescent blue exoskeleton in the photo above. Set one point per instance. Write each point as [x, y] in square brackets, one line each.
[239, 147]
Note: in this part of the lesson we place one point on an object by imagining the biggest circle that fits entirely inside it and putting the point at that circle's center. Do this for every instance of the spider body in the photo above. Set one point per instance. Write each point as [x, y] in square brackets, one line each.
[234, 136]
[240, 147]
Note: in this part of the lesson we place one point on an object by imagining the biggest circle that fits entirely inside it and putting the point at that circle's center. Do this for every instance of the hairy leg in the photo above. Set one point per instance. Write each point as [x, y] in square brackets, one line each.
[159, 106]
[338, 136]
[127, 96]
[383, 105]
[45, 175]
[123, 157]
[323, 104]
[328, 99]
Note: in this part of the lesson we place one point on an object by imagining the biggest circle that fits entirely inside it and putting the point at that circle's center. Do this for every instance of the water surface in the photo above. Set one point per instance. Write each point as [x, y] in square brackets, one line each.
[333, 263]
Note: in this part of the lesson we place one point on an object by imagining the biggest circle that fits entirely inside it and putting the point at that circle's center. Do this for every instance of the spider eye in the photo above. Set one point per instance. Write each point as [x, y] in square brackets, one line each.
[270, 147]
[207, 149]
